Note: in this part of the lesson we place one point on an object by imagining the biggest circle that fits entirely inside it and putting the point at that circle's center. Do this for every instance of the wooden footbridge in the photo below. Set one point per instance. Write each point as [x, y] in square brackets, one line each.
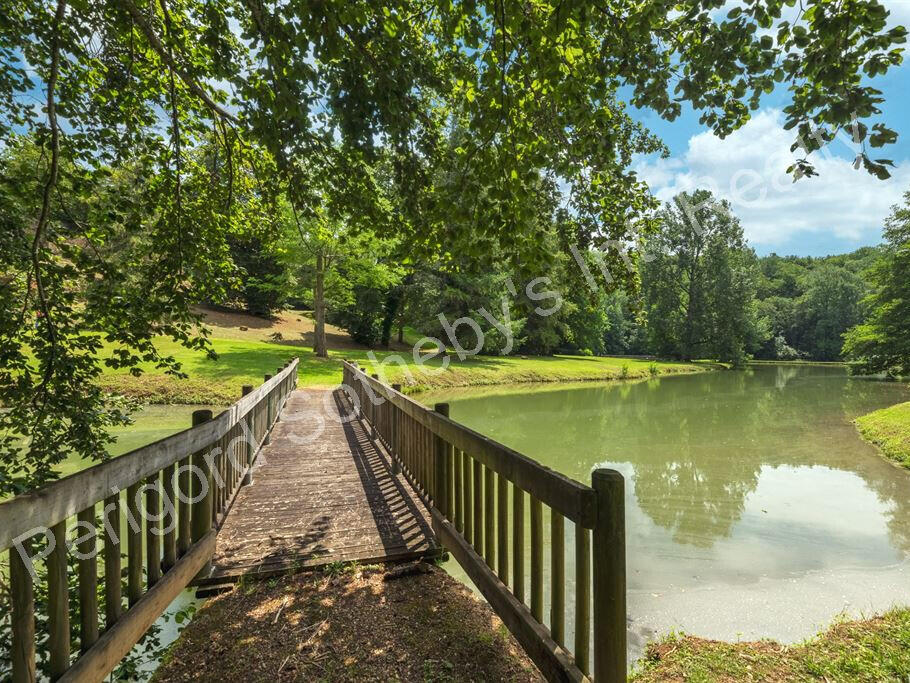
[289, 480]
[323, 492]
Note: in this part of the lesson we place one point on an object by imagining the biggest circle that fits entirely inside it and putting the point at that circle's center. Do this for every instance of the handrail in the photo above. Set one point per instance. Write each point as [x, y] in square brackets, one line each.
[476, 490]
[175, 490]
[65, 497]
[574, 500]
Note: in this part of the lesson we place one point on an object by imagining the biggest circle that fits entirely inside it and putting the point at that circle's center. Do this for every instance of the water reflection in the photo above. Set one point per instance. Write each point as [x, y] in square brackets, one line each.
[733, 475]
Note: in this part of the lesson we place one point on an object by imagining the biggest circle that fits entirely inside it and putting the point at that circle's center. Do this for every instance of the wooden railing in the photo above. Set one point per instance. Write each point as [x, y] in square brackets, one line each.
[195, 473]
[480, 493]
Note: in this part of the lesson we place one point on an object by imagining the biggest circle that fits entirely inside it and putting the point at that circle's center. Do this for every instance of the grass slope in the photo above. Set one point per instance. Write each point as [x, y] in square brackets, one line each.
[876, 649]
[889, 429]
[245, 355]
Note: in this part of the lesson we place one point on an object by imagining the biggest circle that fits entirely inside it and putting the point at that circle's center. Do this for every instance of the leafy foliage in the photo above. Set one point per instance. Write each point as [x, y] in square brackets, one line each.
[809, 303]
[118, 223]
[882, 342]
[359, 286]
[699, 283]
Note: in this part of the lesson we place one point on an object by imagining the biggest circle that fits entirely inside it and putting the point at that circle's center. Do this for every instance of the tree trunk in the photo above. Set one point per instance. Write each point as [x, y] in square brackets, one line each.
[694, 295]
[319, 345]
[392, 306]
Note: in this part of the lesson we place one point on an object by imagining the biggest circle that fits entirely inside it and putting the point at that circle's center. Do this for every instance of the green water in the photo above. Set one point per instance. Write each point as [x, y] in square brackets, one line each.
[150, 423]
[753, 508]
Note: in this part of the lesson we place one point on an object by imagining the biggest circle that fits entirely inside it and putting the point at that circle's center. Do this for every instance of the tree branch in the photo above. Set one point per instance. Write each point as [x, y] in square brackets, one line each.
[49, 185]
[159, 48]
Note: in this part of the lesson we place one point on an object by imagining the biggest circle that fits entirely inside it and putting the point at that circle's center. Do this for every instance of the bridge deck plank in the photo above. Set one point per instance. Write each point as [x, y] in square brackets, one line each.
[322, 492]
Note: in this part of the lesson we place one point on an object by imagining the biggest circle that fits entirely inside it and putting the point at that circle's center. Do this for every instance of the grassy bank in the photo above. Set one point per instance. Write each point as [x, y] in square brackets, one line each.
[876, 649]
[363, 624]
[889, 429]
[491, 370]
[249, 347]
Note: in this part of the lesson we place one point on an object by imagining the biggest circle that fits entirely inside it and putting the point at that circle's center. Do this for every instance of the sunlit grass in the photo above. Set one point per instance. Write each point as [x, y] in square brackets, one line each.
[889, 429]
[246, 362]
[876, 649]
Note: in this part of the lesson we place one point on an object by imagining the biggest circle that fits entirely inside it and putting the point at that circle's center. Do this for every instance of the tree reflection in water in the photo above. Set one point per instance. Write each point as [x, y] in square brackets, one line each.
[696, 447]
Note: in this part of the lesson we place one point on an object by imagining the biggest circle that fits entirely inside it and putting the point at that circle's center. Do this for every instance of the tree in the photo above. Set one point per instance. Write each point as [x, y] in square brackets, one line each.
[882, 342]
[329, 90]
[699, 282]
[314, 247]
[359, 285]
[108, 277]
[264, 281]
[261, 223]
[830, 306]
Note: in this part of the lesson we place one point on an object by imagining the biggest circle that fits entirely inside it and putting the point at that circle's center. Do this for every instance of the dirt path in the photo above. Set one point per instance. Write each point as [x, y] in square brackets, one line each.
[369, 624]
[294, 328]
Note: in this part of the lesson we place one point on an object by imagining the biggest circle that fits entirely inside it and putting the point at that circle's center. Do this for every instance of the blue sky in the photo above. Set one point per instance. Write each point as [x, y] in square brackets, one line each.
[837, 211]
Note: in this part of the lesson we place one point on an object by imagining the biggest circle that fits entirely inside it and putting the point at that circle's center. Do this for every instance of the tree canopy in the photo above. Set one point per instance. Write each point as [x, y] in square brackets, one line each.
[882, 342]
[434, 121]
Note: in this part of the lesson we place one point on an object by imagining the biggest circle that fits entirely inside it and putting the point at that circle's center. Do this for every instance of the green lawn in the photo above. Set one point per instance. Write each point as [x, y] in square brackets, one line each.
[245, 362]
[876, 649]
[489, 370]
[219, 381]
[889, 429]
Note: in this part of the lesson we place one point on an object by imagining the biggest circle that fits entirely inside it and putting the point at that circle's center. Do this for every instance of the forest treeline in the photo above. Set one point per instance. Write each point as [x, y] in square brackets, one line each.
[704, 293]
[700, 291]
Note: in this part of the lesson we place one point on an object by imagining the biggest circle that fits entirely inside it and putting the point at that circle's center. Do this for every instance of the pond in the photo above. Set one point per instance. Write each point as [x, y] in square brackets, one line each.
[753, 507]
[150, 423]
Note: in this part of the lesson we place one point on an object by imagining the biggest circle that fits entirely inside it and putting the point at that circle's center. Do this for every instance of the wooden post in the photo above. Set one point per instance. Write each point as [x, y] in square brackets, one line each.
[268, 418]
[22, 594]
[88, 579]
[467, 469]
[202, 507]
[450, 483]
[112, 589]
[134, 545]
[373, 409]
[489, 518]
[477, 494]
[502, 528]
[58, 604]
[170, 518]
[537, 559]
[184, 477]
[518, 543]
[247, 447]
[280, 394]
[441, 466]
[457, 491]
[152, 530]
[557, 577]
[220, 483]
[582, 598]
[395, 447]
[355, 379]
[609, 577]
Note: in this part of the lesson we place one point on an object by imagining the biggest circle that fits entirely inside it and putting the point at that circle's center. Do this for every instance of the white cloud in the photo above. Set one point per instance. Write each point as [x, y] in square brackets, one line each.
[748, 168]
[900, 12]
